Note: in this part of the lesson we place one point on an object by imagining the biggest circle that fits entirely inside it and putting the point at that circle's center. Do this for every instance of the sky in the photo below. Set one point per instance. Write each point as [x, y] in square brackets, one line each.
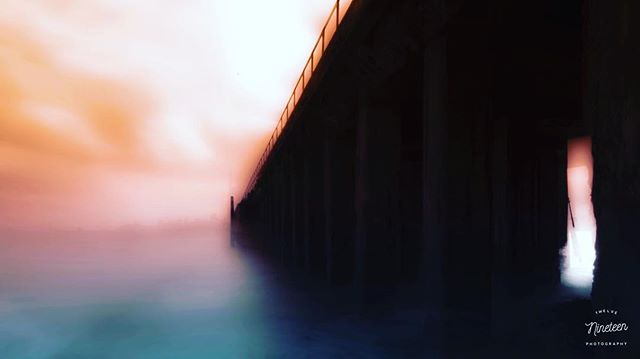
[139, 112]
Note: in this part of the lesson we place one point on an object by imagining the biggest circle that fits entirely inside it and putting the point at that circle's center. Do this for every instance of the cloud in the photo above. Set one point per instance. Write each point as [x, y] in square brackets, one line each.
[118, 111]
[54, 111]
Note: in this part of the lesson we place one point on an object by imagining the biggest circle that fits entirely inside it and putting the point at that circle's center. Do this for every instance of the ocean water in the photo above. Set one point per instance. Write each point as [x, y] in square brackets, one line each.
[177, 294]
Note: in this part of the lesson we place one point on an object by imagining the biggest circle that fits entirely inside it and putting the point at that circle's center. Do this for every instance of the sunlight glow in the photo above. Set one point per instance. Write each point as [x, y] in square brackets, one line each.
[186, 91]
[579, 253]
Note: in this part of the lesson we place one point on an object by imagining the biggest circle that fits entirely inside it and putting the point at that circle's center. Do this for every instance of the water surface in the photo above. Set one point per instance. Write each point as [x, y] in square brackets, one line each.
[177, 294]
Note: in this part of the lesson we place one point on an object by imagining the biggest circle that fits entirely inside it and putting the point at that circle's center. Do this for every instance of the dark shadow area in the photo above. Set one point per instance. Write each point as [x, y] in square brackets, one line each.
[425, 170]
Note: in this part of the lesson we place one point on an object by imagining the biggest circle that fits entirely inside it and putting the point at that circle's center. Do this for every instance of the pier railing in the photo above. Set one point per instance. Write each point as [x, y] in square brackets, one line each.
[328, 30]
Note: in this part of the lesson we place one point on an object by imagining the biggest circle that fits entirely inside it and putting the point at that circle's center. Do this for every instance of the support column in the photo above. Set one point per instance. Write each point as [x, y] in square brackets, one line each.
[377, 187]
[362, 157]
[500, 224]
[283, 213]
[306, 213]
[294, 202]
[316, 233]
[612, 106]
[232, 221]
[435, 133]
[327, 206]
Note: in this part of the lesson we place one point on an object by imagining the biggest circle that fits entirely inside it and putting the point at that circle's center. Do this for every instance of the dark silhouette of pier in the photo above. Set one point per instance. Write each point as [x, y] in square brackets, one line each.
[425, 145]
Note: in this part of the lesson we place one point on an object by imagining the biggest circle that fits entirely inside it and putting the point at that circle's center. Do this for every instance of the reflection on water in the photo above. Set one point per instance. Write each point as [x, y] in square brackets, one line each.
[184, 294]
[114, 296]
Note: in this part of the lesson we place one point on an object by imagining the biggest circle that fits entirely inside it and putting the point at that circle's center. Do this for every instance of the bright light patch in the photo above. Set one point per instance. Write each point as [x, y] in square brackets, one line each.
[579, 253]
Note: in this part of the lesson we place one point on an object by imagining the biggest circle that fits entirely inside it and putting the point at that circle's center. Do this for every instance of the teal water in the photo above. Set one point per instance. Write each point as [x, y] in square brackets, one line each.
[184, 294]
[179, 295]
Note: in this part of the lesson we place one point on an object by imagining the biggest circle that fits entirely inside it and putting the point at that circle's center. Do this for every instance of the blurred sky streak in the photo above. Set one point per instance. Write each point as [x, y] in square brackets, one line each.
[120, 112]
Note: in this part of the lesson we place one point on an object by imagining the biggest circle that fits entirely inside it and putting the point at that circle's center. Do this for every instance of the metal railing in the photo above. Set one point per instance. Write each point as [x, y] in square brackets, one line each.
[328, 30]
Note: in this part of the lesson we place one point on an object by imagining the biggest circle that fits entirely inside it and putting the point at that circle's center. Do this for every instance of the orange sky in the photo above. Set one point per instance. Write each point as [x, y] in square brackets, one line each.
[118, 112]
[579, 179]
